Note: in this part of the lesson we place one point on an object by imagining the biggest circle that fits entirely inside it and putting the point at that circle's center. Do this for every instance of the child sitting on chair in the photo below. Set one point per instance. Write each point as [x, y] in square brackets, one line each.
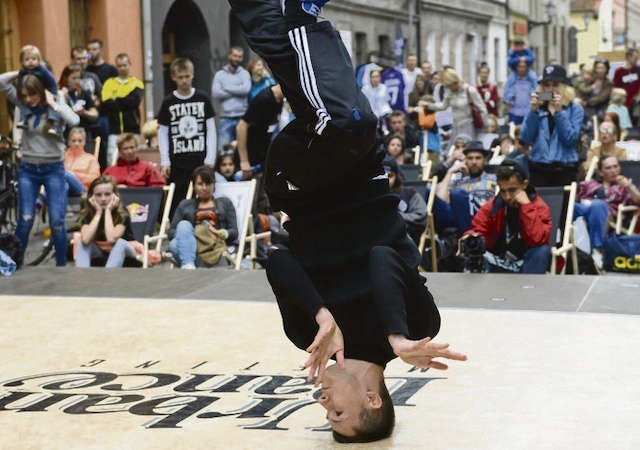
[32, 64]
[105, 227]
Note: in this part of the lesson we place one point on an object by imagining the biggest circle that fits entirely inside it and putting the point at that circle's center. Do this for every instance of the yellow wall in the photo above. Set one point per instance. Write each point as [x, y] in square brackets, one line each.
[587, 40]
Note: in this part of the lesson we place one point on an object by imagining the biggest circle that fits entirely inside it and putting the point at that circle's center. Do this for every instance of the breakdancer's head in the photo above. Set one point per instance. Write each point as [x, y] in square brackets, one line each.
[358, 404]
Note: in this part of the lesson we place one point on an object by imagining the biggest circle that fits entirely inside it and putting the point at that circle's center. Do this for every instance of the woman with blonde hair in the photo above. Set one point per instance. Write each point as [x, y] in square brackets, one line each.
[462, 97]
[552, 127]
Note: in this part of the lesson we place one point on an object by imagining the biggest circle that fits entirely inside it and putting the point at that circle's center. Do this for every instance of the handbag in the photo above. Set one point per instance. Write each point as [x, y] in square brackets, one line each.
[210, 247]
[622, 253]
[426, 121]
[478, 121]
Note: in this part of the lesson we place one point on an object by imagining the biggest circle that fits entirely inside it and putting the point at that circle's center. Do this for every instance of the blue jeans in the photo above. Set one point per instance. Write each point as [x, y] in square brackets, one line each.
[226, 131]
[74, 187]
[517, 120]
[595, 214]
[536, 260]
[120, 250]
[455, 213]
[51, 176]
[183, 245]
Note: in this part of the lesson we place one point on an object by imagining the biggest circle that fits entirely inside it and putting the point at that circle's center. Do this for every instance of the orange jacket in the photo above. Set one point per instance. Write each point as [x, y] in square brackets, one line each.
[83, 165]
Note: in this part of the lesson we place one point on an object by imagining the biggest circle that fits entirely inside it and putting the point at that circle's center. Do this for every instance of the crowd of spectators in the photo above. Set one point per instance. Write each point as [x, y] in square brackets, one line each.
[536, 130]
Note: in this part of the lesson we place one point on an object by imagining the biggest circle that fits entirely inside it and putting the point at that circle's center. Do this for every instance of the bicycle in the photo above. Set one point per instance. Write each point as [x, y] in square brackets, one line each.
[8, 185]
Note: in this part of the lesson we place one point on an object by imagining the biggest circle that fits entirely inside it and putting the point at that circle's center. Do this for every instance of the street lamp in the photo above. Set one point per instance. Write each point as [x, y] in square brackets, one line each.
[551, 12]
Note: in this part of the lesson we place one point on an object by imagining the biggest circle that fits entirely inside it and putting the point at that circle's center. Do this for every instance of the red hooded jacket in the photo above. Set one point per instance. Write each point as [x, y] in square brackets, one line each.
[136, 174]
[535, 221]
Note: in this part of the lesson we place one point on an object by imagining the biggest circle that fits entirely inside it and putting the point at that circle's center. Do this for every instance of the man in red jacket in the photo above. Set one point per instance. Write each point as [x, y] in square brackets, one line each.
[129, 170]
[514, 224]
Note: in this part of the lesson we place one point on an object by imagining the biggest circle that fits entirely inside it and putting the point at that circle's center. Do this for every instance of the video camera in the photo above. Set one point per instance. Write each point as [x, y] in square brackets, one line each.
[472, 249]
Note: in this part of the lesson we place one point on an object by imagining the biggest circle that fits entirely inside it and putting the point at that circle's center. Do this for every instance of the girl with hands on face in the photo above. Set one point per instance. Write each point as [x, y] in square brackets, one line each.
[105, 227]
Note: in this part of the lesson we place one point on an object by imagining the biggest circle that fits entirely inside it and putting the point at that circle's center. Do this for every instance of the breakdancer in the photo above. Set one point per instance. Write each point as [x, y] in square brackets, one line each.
[347, 285]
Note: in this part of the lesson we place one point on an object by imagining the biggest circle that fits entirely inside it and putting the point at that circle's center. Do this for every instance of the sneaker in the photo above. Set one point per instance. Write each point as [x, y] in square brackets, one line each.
[188, 266]
[53, 132]
[597, 258]
[313, 7]
[22, 125]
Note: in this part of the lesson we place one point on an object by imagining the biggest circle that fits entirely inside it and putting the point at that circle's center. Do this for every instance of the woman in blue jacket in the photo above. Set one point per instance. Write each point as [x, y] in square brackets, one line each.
[553, 127]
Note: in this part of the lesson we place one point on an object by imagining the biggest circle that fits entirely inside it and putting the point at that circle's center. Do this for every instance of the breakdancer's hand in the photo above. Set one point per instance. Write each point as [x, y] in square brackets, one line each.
[328, 342]
[421, 353]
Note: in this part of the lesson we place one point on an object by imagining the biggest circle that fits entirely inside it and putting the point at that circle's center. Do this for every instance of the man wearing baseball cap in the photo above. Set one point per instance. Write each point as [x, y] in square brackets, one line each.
[514, 224]
[552, 127]
[465, 188]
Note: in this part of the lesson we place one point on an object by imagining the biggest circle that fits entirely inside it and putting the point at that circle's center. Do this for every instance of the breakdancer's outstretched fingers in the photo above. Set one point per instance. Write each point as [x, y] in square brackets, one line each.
[328, 342]
[421, 353]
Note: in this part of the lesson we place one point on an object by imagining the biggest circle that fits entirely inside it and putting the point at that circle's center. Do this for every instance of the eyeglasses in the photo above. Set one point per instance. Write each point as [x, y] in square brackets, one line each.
[607, 131]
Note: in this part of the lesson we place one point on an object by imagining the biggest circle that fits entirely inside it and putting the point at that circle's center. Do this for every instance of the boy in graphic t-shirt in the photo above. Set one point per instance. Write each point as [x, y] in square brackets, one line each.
[187, 132]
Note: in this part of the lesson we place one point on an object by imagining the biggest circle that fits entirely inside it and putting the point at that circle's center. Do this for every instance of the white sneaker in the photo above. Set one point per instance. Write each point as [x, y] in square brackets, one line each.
[188, 266]
[597, 258]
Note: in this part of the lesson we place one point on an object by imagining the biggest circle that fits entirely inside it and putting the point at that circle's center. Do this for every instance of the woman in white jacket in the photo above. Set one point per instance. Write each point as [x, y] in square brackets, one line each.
[377, 95]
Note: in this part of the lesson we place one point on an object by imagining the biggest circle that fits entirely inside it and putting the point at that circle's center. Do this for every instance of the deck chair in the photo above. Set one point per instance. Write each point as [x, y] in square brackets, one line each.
[632, 148]
[596, 127]
[249, 234]
[410, 172]
[241, 194]
[430, 230]
[426, 170]
[593, 165]
[631, 170]
[416, 155]
[561, 201]
[146, 206]
[96, 147]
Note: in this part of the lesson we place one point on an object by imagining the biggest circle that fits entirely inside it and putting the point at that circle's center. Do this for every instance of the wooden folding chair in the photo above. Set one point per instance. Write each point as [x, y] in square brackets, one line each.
[561, 201]
[145, 206]
[416, 155]
[631, 170]
[96, 147]
[593, 165]
[426, 170]
[430, 230]
[238, 193]
[241, 194]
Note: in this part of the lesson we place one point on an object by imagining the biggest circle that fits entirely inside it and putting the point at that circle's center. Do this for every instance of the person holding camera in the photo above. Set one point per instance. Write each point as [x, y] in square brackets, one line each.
[511, 232]
[552, 127]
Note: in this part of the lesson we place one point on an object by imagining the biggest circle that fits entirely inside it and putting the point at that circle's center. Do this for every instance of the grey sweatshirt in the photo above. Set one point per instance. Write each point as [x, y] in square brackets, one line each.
[38, 146]
[231, 88]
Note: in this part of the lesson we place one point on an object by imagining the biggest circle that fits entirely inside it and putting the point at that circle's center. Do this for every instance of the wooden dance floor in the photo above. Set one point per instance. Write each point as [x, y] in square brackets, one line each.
[133, 373]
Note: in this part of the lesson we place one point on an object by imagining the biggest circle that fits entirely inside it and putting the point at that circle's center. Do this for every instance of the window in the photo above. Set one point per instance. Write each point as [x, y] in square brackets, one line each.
[384, 46]
[78, 23]
[361, 48]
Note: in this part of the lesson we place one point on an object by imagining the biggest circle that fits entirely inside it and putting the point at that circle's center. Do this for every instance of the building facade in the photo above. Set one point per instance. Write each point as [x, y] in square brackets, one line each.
[55, 26]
